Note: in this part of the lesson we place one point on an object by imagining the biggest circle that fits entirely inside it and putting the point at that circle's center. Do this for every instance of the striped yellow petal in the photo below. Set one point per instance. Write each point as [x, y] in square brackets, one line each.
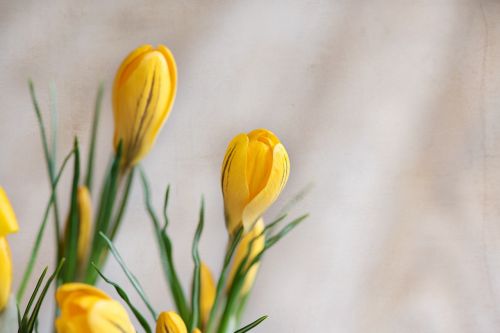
[170, 322]
[233, 181]
[143, 94]
[8, 220]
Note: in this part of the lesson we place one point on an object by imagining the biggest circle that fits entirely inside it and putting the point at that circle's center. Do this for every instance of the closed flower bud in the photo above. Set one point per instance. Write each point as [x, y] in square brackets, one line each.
[207, 293]
[170, 322]
[85, 217]
[143, 94]
[254, 172]
[5, 272]
[86, 309]
[8, 221]
[85, 222]
[241, 252]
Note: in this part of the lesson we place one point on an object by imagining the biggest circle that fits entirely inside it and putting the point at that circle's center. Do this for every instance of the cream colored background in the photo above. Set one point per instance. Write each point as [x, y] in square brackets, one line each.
[392, 108]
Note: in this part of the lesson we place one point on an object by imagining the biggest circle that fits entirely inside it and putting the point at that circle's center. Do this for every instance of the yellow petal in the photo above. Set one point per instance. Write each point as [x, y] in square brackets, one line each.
[5, 272]
[109, 316]
[196, 330]
[241, 252]
[233, 181]
[207, 292]
[85, 217]
[275, 184]
[8, 220]
[86, 309]
[170, 322]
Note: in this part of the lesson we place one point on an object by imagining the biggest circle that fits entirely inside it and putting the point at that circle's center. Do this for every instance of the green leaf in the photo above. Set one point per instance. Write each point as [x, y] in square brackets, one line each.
[195, 295]
[131, 277]
[93, 137]
[251, 325]
[28, 322]
[71, 243]
[165, 246]
[107, 200]
[125, 298]
[123, 204]
[39, 236]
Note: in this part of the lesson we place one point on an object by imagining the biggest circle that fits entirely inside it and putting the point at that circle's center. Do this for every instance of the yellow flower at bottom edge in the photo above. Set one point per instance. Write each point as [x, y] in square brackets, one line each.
[170, 322]
[241, 252]
[254, 172]
[86, 309]
[5, 272]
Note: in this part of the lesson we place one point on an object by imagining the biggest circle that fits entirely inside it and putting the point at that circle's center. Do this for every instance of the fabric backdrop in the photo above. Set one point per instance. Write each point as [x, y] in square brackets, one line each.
[391, 109]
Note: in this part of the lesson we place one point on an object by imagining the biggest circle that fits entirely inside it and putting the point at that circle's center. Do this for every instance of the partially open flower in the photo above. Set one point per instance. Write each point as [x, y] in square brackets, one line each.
[252, 244]
[254, 172]
[8, 224]
[86, 309]
[143, 94]
[170, 322]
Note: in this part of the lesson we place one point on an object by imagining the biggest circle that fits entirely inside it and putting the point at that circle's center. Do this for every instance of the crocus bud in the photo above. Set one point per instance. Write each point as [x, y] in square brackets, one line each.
[254, 172]
[207, 296]
[85, 216]
[86, 309]
[8, 224]
[248, 243]
[5, 273]
[8, 221]
[170, 322]
[84, 203]
[143, 94]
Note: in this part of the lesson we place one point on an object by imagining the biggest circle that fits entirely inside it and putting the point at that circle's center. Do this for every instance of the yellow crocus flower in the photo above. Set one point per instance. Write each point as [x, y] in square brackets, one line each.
[254, 172]
[8, 221]
[8, 224]
[86, 309]
[143, 94]
[208, 291]
[170, 322]
[241, 252]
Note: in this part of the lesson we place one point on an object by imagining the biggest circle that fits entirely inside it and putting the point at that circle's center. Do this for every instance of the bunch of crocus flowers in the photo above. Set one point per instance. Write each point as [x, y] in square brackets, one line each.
[254, 171]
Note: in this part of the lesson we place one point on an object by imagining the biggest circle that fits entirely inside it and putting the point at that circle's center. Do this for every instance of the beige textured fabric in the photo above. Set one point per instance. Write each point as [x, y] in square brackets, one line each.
[392, 108]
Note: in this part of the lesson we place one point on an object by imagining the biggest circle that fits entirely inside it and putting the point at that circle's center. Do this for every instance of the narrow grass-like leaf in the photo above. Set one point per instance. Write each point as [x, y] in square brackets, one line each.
[131, 277]
[165, 247]
[123, 204]
[71, 243]
[298, 197]
[93, 137]
[107, 200]
[33, 295]
[39, 236]
[34, 316]
[195, 291]
[126, 299]
[251, 325]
